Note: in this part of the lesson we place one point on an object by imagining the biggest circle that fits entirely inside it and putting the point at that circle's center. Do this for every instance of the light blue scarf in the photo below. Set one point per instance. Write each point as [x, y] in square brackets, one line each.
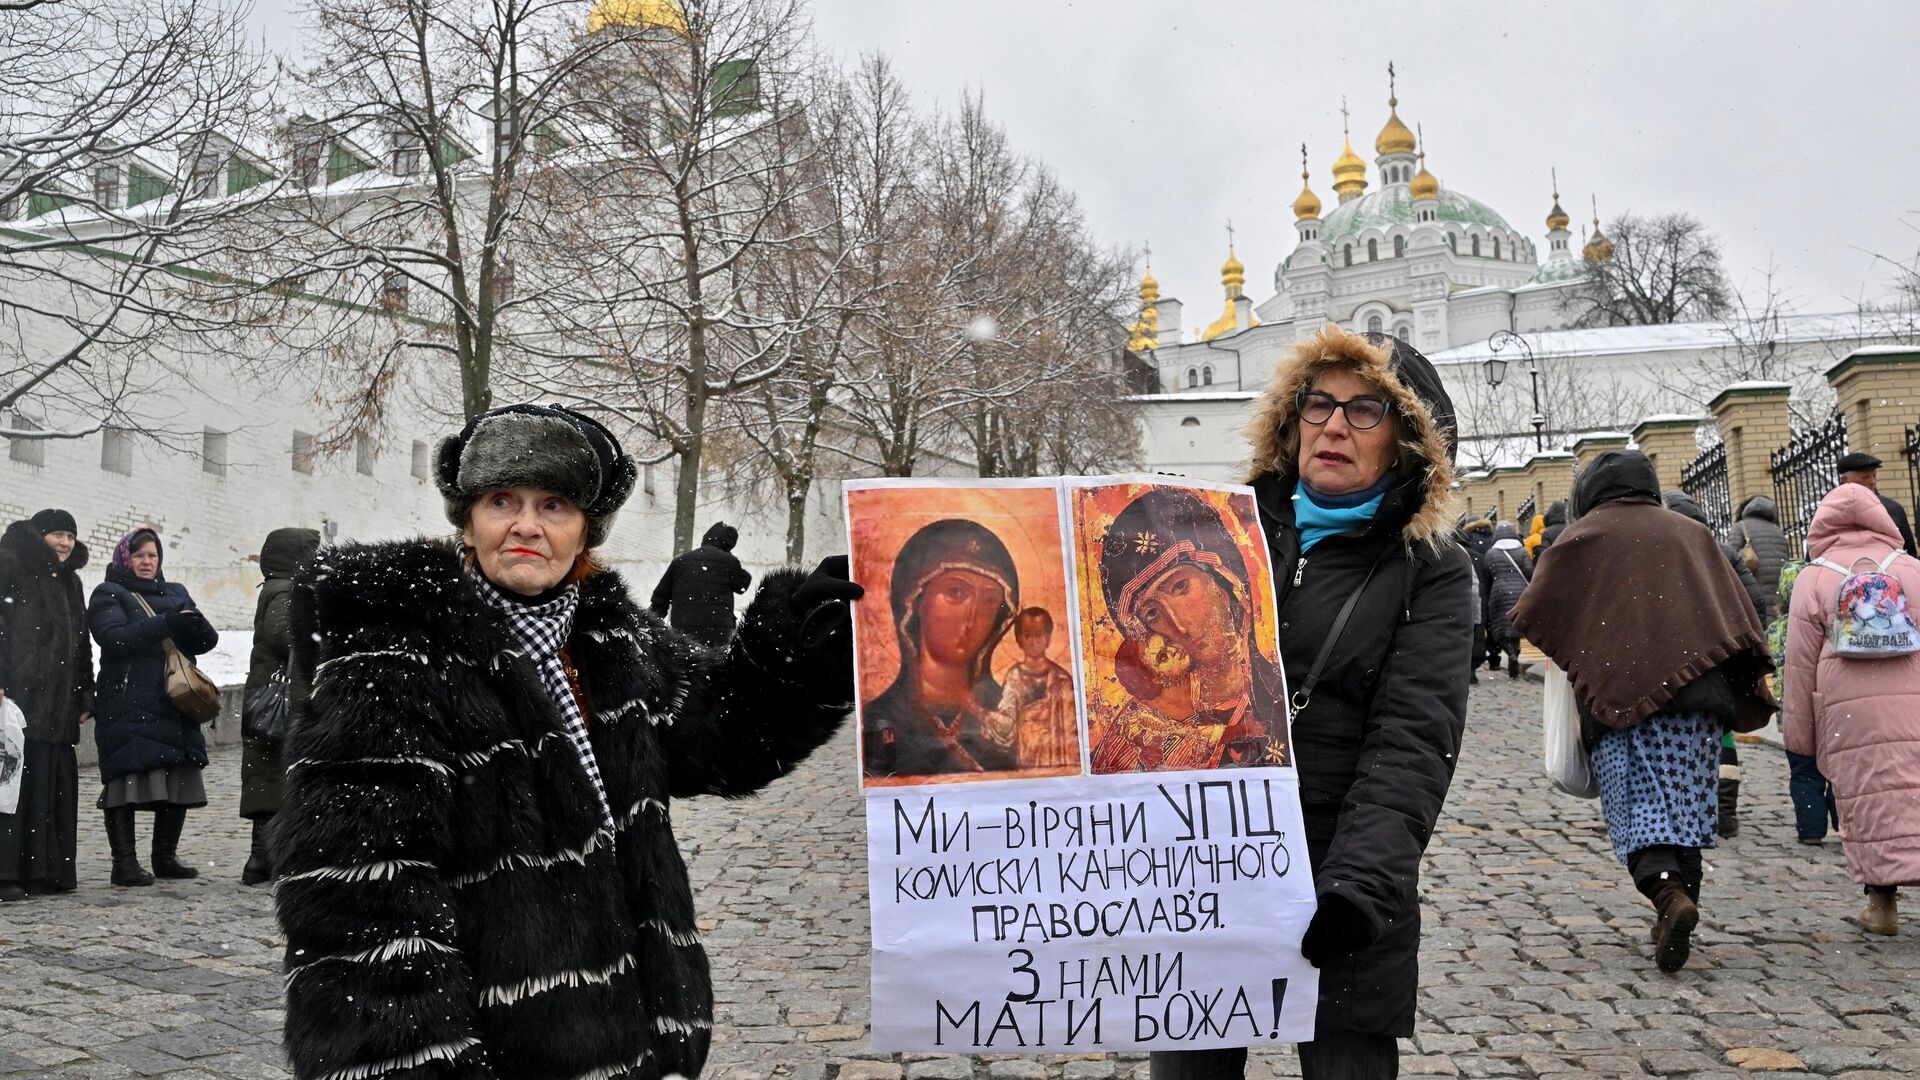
[1320, 515]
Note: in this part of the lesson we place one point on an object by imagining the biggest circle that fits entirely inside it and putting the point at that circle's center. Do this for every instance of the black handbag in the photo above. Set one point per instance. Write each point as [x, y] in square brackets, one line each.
[263, 715]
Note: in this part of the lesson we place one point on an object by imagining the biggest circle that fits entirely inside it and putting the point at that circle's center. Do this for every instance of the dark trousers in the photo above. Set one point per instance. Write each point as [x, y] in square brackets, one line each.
[1653, 866]
[1335, 1055]
[1813, 805]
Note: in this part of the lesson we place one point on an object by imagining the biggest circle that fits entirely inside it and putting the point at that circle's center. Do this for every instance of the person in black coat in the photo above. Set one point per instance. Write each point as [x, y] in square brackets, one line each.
[1353, 460]
[1862, 468]
[260, 766]
[1478, 540]
[1763, 598]
[1757, 526]
[151, 754]
[46, 668]
[1556, 519]
[478, 875]
[695, 595]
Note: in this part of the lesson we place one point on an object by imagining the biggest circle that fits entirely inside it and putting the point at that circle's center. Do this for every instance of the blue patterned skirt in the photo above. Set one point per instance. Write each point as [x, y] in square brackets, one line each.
[1660, 782]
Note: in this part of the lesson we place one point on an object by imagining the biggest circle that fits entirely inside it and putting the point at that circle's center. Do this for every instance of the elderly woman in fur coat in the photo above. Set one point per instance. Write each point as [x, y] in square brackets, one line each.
[1353, 446]
[478, 874]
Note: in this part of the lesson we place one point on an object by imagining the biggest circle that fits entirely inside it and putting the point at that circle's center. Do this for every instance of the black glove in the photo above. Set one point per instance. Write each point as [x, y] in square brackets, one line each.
[1337, 929]
[826, 627]
[181, 624]
[829, 581]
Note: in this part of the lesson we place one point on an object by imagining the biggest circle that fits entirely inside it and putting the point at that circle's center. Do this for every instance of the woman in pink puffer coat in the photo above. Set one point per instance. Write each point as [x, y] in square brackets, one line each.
[1860, 717]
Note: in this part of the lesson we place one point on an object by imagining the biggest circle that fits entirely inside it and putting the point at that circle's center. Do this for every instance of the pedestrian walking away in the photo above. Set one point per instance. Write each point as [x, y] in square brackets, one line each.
[151, 753]
[1853, 689]
[1479, 542]
[477, 871]
[1510, 569]
[1757, 530]
[696, 593]
[1864, 469]
[1640, 608]
[46, 670]
[1353, 441]
[260, 766]
[1556, 519]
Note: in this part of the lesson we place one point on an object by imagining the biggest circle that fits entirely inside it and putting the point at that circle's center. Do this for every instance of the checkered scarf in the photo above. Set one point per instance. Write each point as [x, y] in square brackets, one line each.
[542, 630]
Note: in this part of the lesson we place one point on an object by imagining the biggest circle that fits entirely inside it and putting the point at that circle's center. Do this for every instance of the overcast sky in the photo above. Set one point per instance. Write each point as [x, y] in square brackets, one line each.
[1788, 128]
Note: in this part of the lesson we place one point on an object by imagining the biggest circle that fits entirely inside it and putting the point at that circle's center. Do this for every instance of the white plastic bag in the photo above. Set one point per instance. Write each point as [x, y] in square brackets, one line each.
[13, 754]
[1565, 758]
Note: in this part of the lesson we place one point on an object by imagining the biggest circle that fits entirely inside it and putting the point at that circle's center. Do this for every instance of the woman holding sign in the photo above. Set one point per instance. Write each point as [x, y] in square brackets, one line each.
[1353, 458]
[478, 876]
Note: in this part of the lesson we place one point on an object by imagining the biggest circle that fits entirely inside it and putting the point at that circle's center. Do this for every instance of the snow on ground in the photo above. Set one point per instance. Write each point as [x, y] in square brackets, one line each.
[226, 665]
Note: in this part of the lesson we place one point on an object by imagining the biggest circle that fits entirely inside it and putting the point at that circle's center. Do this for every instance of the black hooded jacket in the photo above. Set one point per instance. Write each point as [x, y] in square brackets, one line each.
[46, 657]
[696, 593]
[1763, 598]
[1758, 527]
[1556, 518]
[1377, 743]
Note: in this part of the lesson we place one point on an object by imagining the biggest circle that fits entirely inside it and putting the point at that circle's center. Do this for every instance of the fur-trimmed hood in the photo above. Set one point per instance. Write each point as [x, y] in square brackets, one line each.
[1420, 401]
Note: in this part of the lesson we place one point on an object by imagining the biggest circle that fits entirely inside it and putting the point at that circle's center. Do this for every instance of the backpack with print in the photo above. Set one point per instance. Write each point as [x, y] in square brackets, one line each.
[1870, 619]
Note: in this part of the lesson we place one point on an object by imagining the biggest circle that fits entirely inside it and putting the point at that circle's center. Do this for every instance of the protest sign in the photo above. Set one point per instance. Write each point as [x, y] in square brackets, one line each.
[1083, 822]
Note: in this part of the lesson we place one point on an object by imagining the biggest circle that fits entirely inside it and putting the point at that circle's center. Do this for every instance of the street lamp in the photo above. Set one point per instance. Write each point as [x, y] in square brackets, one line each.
[1497, 371]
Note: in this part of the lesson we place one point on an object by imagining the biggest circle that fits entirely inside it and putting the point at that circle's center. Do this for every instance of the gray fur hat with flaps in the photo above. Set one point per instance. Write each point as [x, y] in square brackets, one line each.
[541, 446]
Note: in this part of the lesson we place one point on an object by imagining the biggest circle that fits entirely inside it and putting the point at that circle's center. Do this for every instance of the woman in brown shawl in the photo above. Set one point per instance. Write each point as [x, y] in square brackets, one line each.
[1640, 609]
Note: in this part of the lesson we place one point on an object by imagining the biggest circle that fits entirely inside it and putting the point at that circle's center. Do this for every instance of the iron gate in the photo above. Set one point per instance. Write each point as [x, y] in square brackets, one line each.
[1705, 479]
[1804, 471]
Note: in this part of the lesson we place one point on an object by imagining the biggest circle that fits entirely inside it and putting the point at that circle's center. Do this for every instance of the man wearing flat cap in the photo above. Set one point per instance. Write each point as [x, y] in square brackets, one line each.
[1864, 469]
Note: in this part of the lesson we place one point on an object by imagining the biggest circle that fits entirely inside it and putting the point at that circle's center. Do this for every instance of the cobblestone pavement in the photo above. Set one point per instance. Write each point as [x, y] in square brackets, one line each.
[1536, 960]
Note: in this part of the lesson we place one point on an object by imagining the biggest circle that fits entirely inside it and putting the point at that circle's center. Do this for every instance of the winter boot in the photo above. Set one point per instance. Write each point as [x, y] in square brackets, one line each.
[1513, 665]
[1729, 802]
[126, 862]
[1673, 931]
[167, 823]
[1882, 913]
[259, 866]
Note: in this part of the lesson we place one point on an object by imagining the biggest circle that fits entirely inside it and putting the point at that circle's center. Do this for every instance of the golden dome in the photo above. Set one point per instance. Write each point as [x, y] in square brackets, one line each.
[1306, 205]
[1233, 274]
[1556, 217]
[1349, 172]
[1424, 185]
[637, 15]
[1395, 138]
[1149, 288]
[1598, 247]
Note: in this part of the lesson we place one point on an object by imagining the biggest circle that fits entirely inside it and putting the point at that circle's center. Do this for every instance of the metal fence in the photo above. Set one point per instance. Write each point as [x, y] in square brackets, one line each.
[1804, 471]
[1523, 517]
[1910, 449]
[1705, 479]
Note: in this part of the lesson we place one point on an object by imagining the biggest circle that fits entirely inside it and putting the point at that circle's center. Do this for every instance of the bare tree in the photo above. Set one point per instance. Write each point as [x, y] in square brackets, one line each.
[1660, 269]
[123, 154]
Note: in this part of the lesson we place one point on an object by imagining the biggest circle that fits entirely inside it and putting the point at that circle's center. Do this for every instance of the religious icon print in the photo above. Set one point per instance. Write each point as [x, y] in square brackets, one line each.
[1177, 625]
[964, 646]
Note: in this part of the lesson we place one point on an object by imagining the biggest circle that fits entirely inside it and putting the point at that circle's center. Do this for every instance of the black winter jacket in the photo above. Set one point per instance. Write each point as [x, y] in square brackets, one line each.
[1377, 744]
[1899, 515]
[46, 657]
[1761, 596]
[1511, 569]
[1759, 528]
[280, 559]
[450, 897]
[1556, 518]
[696, 593]
[136, 726]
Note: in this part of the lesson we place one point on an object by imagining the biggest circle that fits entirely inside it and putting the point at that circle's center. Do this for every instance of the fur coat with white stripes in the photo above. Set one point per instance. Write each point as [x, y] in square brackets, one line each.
[452, 903]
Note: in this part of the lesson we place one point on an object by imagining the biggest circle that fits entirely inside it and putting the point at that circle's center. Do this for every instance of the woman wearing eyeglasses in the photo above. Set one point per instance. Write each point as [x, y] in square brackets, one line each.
[1353, 461]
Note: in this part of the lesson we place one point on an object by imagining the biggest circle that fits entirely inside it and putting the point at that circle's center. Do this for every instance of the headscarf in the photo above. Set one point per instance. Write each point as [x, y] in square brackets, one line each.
[1634, 602]
[120, 567]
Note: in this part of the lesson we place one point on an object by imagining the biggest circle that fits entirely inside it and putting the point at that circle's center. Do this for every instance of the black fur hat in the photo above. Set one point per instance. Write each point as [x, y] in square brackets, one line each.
[543, 446]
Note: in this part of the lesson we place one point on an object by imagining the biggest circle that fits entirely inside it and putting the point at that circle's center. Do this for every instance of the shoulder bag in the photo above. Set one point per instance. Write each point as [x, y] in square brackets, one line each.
[187, 687]
[263, 715]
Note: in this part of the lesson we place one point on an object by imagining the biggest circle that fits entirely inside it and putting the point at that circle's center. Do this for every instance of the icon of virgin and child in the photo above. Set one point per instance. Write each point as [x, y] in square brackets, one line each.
[1197, 690]
[1182, 680]
[954, 596]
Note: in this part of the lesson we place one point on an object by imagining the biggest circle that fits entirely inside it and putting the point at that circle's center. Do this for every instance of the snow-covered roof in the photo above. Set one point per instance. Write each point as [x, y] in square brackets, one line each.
[1194, 396]
[1611, 340]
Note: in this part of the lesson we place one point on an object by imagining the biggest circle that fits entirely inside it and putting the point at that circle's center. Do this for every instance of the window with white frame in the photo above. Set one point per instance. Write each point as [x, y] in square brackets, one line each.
[213, 452]
[363, 453]
[303, 452]
[422, 461]
[26, 451]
